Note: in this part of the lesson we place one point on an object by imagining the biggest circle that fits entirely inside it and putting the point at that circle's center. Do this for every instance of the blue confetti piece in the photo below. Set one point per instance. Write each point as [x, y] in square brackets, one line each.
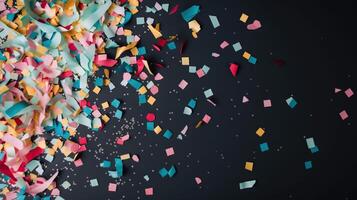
[115, 103]
[119, 166]
[118, 114]
[163, 172]
[172, 171]
[171, 45]
[150, 126]
[105, 164]
[190, 13]
[264, 147]
[308, 165]
[168, 134]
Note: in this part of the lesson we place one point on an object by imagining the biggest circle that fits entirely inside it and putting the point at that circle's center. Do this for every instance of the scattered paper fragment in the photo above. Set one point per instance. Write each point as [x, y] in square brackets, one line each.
[254, 26]
[214, 21]
[247, 184]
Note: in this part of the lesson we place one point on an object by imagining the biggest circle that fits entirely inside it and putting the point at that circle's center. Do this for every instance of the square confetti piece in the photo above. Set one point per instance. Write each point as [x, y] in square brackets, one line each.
[183, 84]
[96, 89]
[151, 100]
[208, 93]
[291, 102]
[206, 118]
[192, 69]
[157, 129]
[267, 103]
[249, 166]
[243, 18]
[246, 55]
[260, 132]
[349, 93]
[94, 182]
[185, 60]
[200, 73]
[237, 46]
[149, 191]
[308, 165]
[343, 115]
[112, 187]
[115, 103]
[118, 114]
[170, 151]
[224, 44]
[264, 147]
[168, 134]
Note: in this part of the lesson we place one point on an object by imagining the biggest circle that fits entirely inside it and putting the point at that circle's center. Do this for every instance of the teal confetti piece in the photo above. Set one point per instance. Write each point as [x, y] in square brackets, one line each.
[190, 13]
[252, 60]
[140, 20]
[308, 165]
[168, 134]
[142, 99]
[247, 184]
[105, 164]
[172, 171]
[115, 103]
[118, 114]
[237, 46]
[291, 102]
[264, 147]
[214, 21]
[171, 45]
[163, 172]
[192, 103]
[119, 166]
[150, 126]
[192, 69]
[16, 108]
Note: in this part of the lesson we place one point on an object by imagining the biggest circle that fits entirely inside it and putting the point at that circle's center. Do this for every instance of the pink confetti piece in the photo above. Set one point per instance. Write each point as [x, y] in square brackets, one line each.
[349, 93]
[170, 151]
[112, 187]
[135, 158]
[224, 44]
[200, 73]
[150, 117]
[154, 90]
[198, 180]
[143, 76]
[183, 84]
[78, 162]
[149, 191]
[17, 143]
[40, 187]
[245, 99]
[215, 55]
[337, 90]
[122, 139]
[158, 77]
[343, 115]
[267, 103]
[254, 26]
[206, 118]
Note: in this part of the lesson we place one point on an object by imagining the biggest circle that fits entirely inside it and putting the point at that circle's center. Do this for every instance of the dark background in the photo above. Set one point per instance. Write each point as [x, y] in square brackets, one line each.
[317, 41]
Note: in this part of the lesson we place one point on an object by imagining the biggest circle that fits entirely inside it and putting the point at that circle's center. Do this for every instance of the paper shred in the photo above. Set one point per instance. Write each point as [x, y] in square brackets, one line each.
[243, 18]
[169, 151]
[94, 183]
[343, 115]
[349, 93]
[260, 132]
[249, 166]
[237, 46]
[198, 180]
[224, 44]
[174, 9]
[112, 187]
[264, 147]
[267, 103]
[190, 13]
[185, 61]
[183, 84]
[337, 90]
[149, 191]
[247, 184]
[119, 166]
[308, 165]
[214, 21]
[105, 164]
[254, 26]
[154, 32]
[234, 69]
[291, 102]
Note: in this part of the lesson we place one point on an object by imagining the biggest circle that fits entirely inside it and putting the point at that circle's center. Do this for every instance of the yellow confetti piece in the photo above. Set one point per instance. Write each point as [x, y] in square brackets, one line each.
[142, 90]
[260, 132]
[151, 100]
[105, 118]
[243, 18]
[185, 60]
[246, 55]
[249, 166]
[154, 32]
[3, 89]
[157, 129]
[105, 105]
[96, 89]
[125, 156]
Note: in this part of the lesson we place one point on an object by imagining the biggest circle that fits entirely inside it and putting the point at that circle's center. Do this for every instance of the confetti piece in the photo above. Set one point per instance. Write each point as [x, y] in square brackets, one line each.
[237, 46]
[291, 102]
[243, 18]
[94, 182]
[112, 187]
[260, 132]
[343, 115]
[150, 117]
[349, 93]
[224, 44]
[337, 90]
[247, 184]
[198, 180]
[249, 166]
[185, 61]
[183, 84]
[190, 13]
[245, 99]
[308, 165]
[264, 147]
[149, 191]
[214, 21]
[169, 151]
[254, 26]
[234, 69]
[267, 103]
